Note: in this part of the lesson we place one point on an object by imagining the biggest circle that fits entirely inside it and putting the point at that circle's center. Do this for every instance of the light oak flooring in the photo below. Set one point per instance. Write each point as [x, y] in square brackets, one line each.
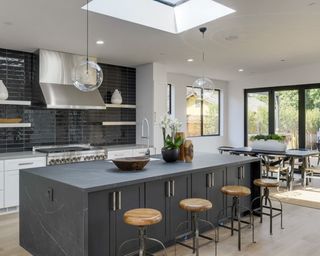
[300, 237]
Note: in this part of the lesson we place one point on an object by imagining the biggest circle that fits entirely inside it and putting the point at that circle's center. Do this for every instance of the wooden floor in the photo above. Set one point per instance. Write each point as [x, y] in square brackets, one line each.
[300, 237]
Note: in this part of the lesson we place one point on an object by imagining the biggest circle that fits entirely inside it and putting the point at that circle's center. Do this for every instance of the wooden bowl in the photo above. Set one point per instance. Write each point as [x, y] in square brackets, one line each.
[131, 163]
[10, 120]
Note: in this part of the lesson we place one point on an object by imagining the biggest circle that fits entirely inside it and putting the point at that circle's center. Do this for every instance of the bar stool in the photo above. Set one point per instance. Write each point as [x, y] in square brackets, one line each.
[236, 192]
[141, 218]
[265, 199]
[195, 206]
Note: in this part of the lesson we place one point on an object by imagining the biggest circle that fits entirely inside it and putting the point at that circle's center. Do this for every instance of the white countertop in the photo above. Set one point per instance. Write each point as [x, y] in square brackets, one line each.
[20, 155]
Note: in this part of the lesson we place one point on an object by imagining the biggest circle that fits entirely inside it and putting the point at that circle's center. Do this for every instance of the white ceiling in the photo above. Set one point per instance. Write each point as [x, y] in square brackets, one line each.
[256, 38]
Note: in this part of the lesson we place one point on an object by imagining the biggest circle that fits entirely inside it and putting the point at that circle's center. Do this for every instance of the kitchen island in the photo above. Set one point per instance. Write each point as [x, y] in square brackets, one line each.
[77, 209]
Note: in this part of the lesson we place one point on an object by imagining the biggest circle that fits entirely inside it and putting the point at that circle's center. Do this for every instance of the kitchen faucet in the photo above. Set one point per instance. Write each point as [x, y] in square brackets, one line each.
[147, 136]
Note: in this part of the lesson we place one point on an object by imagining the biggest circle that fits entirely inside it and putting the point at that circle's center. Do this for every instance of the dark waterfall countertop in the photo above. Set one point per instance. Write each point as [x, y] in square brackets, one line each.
[100, 175]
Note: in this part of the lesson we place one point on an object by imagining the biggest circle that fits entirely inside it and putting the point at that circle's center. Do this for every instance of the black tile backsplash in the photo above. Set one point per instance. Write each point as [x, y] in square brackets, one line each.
[53, 127]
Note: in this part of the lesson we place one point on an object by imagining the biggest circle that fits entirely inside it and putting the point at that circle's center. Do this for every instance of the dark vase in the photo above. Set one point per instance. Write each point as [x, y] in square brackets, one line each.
[170, 155]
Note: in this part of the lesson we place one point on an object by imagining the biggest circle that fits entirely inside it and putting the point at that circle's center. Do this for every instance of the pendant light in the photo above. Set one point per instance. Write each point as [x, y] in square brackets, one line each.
[88, 75]
[203, 82]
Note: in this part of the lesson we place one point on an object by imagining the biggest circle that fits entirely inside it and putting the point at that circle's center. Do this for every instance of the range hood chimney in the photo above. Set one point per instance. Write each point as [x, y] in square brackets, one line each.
[55, 87]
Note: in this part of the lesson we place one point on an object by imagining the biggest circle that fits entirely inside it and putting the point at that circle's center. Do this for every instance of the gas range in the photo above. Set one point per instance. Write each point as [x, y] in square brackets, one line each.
[67, 154]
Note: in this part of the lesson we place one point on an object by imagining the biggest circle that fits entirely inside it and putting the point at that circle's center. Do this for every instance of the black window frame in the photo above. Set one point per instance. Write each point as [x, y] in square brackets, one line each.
[301, 88]
[201, 119]
[169, 98]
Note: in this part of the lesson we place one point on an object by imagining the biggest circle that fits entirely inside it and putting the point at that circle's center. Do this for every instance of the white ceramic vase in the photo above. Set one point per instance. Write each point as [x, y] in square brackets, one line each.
[269, 145]
[3, 91]
[116, 97]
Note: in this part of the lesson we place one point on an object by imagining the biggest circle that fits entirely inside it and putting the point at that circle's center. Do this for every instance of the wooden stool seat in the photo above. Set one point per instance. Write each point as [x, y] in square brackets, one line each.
[142, 217]
[266, 183]
[238, 191]
[195, 204]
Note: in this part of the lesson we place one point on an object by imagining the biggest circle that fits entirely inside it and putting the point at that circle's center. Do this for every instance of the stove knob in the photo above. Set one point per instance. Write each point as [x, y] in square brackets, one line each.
[58, 161]
[74, 159]
[91, 157]
[52, 162]
[63, 161]
[96, 158]
[68, 160]
[86, 158]
[78, 159]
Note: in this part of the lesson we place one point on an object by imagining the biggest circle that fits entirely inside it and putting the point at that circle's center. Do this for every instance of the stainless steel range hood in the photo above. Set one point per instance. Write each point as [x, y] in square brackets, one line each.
[55, 81]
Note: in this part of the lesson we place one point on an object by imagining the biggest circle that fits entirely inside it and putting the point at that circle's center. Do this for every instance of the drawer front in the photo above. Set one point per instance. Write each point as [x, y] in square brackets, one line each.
[25, 163]
[140, 152]
[1, 166]
[119, 154]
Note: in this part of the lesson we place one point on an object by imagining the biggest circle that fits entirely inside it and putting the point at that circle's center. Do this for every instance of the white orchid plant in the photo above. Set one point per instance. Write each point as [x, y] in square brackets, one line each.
[170, 127]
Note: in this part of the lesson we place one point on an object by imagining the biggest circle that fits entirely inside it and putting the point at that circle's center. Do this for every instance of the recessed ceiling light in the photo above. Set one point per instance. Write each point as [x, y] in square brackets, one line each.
[231, 38]
[190, 60]
[283, 60]
[100, 42]
[240, 69]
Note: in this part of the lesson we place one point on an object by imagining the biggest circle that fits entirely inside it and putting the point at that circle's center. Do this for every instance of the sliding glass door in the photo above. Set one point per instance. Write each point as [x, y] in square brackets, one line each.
[286, 116]
[312, 102]
[258, 114]
[293, 111]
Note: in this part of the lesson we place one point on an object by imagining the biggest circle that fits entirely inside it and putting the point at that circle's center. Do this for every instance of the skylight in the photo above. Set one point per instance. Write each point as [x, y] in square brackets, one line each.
[174, 16]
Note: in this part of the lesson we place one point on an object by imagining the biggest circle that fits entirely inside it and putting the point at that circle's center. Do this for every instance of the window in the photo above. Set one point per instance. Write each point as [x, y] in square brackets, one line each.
[292, 111]
[203, 112]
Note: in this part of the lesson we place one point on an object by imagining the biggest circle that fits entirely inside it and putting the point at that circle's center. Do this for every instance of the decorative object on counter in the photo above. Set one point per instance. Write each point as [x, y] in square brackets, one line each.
[88, 75]
[10, 120]
[131, 163]
[181, 149]
[3, 91]
[272, 142]
[203, 82]
[116, 97]
[172, 143]
[188, 151]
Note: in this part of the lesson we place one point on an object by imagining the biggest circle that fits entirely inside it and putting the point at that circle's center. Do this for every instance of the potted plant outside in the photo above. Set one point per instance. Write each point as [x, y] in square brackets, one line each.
[272, 142]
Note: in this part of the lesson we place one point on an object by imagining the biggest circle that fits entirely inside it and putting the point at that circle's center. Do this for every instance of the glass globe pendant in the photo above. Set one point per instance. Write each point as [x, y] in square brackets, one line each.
[88, 75]
[203, 82]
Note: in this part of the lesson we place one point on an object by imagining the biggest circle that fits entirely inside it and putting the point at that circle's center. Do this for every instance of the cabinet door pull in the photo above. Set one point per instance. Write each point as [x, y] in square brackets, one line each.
[30, 163]
[172, 188]
[119, 200]
[243, 172]
[168, 184]
[113, 200]
[209, 180]
[212, 180]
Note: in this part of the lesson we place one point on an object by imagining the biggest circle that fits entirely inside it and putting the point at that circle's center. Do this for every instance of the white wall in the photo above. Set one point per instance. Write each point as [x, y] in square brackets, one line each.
[151, 85]
[307, 74]
[201, 144]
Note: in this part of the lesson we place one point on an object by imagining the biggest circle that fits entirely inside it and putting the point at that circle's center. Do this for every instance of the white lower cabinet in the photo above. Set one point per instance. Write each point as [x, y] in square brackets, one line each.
[11, 192]
[10, 178]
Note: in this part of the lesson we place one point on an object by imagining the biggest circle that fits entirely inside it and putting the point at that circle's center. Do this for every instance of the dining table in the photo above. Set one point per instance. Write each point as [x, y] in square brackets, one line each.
[292, 154]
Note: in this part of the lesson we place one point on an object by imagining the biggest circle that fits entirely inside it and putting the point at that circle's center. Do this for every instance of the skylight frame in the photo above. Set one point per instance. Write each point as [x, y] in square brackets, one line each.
[154, 14]
[169, 3]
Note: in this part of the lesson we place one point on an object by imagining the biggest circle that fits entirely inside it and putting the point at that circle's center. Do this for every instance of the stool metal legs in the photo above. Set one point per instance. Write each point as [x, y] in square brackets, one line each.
[195, 233]
[236, 216]
[142, 244]
[265, 203]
